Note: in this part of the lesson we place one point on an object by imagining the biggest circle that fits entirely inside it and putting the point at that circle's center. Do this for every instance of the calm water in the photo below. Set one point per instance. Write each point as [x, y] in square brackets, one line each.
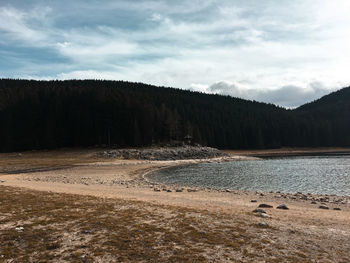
[321, 174]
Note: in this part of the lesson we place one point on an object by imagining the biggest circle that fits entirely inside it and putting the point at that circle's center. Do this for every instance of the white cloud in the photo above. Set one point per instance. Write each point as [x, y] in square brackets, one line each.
[26, 26]
[289, 96]
[251, 49]
[96, 52]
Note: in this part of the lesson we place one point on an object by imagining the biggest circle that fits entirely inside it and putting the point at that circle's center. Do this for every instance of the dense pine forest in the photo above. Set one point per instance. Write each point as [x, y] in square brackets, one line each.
[79, 113]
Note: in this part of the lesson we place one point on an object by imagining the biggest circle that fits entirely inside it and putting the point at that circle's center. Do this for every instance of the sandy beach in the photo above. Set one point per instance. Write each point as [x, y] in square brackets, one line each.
[303, 233]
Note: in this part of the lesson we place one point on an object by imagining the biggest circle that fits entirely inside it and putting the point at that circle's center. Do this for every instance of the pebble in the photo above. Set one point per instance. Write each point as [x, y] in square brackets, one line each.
[259, 210]
[336, 208]
[19, 228]
[169, 191]
[265, 206]
[178, 190]
[2, 181]
[253, 201]
[323, 207]
[282, 206]
[263, 224]
[156, 190]
[313, 202]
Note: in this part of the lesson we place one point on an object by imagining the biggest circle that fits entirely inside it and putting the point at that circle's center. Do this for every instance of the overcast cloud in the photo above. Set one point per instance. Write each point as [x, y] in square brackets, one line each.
[282, 52]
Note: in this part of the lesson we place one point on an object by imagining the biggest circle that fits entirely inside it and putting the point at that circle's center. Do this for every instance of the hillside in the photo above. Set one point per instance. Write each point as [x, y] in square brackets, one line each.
[53, 114]
[332, 115]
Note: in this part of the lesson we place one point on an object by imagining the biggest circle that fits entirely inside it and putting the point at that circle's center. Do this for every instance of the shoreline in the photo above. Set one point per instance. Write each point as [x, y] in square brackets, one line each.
[121, 182]
[153, 166]
[281, 152]
[132, 177]
[278, 194]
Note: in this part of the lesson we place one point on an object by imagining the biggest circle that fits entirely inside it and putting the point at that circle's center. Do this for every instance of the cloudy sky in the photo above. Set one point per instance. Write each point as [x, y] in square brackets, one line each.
[284, 52]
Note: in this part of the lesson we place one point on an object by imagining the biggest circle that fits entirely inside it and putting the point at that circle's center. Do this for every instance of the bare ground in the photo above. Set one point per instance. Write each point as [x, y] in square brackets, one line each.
[79, 208]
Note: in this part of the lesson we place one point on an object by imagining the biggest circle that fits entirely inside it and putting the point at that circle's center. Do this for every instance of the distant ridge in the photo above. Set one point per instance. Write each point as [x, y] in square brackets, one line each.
[80, 113]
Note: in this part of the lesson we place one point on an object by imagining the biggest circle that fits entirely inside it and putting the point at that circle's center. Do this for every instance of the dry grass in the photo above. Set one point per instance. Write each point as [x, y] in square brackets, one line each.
[42, 160]
[73, 228]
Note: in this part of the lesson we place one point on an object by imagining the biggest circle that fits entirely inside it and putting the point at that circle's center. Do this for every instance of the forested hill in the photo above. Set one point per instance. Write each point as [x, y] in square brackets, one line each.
[330, 116]
[53, 114]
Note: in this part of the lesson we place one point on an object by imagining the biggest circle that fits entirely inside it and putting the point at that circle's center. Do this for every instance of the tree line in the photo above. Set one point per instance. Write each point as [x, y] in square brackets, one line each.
[80, 113]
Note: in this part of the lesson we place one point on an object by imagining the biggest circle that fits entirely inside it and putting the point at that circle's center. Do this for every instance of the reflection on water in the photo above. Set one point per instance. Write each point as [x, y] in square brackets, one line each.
[317, 174]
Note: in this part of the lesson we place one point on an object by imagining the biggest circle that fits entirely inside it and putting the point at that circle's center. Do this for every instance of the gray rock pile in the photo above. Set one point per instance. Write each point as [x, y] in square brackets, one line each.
[164, 153]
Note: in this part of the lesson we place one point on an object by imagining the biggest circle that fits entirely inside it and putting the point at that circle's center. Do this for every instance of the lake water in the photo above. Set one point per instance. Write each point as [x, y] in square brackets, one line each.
[316, 174]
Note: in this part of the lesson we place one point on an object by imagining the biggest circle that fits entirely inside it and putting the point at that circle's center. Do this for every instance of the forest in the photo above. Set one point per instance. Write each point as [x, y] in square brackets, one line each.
[81, 113]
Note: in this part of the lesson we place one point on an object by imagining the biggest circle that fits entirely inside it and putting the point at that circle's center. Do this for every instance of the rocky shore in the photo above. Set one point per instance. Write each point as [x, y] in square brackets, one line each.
[164, 153]
[141, 180]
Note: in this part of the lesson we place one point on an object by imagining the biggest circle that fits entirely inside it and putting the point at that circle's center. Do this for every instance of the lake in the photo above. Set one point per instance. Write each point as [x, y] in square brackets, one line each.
[307, 174]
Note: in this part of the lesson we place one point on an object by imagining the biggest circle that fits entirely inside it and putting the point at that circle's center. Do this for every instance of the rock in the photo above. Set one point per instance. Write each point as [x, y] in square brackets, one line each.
[263, 215]
[2, 181]
[282, 206]
[253, 201]
[156, 190]
[313, 202]
[259, 210]
[323, 207]
[303, 197]
[191, 190]
[19, 228]
[169, 191]
[164, 153]
[263, 224]
[336, 208]
[178, 190]
[265, 206]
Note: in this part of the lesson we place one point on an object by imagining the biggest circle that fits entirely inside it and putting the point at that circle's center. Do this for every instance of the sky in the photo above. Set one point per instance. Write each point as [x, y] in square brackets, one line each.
[282, 52]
